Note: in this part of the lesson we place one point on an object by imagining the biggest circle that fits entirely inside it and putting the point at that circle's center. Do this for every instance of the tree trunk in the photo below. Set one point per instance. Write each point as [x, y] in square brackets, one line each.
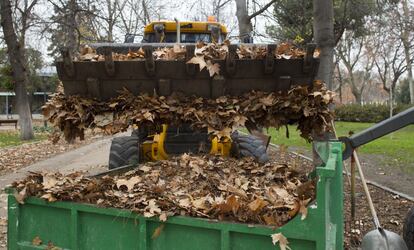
[357, 94]
[146, 14]
[324, 38]
[406, 45]
[340, 81]
[20, 73]
[391, 100]
[72, 41]
[245, 26]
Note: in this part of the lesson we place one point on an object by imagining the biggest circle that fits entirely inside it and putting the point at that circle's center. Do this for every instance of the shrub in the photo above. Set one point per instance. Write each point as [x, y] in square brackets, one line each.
[366, 113]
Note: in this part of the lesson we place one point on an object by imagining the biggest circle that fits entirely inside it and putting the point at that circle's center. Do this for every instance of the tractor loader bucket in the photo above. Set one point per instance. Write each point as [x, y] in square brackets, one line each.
[103, 79]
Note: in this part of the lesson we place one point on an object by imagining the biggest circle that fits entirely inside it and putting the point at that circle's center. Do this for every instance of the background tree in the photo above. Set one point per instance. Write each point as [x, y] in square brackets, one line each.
[403, 22]
[245, 19]
[16, 55]
[324, 38]
[293, 19]
[402, 93]
[358, 62]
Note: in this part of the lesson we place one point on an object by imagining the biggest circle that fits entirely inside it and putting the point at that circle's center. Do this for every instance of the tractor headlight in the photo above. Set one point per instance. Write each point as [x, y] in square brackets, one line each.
[159, 27]
[212, 27]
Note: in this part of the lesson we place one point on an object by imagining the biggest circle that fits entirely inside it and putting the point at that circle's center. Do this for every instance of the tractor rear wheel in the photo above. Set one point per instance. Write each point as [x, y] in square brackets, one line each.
[124, 150]
[408, 230]
[248, 146]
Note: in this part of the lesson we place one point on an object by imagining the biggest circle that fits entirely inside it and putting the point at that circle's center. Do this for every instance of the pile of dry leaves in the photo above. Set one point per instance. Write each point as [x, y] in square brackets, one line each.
[204, 54]
[210, 51]
[309, 108]
[200, 186]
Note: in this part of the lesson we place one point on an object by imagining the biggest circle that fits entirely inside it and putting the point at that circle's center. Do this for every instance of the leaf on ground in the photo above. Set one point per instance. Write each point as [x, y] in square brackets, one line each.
[36, 241]
[104, 119]
[257, 205]
[200, 203]
[49, 181]
[128, 183]
[3, 221]
[157, 232]
[303, 208]
[20, 196]
[152, 209]
[163, 217]
[49, 197]
[281, 239]
[231, 205]
[186, 202]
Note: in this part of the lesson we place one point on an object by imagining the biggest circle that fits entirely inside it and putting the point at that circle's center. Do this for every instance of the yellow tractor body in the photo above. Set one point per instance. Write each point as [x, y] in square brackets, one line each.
[153, 148]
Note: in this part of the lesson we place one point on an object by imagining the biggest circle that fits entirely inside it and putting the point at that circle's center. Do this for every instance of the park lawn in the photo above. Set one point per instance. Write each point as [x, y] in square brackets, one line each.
[398, 145]
[12, 138]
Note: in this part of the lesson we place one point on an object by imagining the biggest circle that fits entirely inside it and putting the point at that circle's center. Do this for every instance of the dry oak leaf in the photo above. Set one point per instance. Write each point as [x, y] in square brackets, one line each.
[129, 184]
[151, 209]
[20, 196]
[198, 60]
[163, 217]
[231, 205]
[49, 197]
[283, 242]
[303, 209]
[49, 181]
[104, 119]
[257, 205]
[213, 68]
[200, 203]
[36, 241]
[157, 232]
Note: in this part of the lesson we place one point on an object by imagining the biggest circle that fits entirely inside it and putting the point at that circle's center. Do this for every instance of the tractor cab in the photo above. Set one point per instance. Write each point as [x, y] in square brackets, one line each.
[184, 32]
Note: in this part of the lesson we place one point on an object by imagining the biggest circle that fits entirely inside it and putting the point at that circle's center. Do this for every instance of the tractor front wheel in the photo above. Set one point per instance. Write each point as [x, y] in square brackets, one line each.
[408, 230]
[248, 146]
[124, 150]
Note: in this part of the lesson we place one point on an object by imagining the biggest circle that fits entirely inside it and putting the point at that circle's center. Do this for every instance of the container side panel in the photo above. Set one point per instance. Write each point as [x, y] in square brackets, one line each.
[242, 241]
[100, 232]
[50, 224]
[179, 237]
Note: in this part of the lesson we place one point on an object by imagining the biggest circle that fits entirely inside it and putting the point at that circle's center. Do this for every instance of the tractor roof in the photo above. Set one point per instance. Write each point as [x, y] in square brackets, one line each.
[186, 26]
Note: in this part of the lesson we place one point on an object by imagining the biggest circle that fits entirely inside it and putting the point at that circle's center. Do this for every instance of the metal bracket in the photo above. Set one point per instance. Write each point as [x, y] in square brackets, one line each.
[231, 60]
[164, 87]
[269, 59]
[189, 53]
[109, 62]
[93, 87]
[218, 84]
[67, 62]
[149, 60]
[284, 83]
[308, 60]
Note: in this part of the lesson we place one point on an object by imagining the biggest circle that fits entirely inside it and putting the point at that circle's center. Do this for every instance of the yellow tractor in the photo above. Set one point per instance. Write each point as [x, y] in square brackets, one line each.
[103, 80]
[172, 140]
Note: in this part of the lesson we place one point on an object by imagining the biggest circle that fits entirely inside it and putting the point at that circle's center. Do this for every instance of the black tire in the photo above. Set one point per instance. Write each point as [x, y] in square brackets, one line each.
[124, 150]
[248, 146]
[408, 230]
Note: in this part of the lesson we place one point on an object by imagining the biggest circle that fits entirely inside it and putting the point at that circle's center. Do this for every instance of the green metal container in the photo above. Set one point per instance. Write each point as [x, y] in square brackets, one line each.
[70, 225]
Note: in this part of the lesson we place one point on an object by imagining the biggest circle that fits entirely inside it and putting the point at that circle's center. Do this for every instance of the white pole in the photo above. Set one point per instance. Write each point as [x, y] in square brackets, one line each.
[178, 30]
[7, 106]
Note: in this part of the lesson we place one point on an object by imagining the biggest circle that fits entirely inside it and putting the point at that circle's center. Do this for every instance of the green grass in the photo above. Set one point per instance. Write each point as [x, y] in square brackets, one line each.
[398, 145]
[12, 138]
